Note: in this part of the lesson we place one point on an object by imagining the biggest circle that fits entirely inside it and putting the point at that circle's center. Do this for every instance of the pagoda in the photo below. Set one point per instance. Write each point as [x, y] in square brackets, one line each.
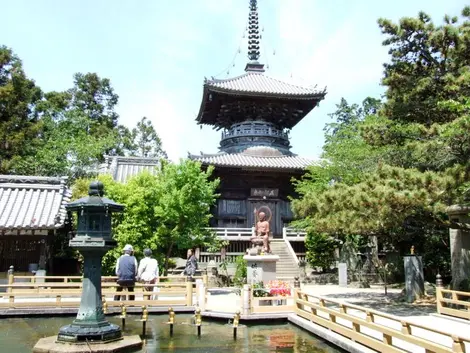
[255, 114]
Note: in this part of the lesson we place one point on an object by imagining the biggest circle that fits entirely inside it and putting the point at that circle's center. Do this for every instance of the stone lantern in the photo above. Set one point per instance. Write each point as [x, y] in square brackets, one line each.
[93, 239]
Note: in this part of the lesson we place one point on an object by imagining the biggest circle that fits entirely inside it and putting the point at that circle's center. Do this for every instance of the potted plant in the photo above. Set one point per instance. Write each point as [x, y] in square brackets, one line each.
[259, 291]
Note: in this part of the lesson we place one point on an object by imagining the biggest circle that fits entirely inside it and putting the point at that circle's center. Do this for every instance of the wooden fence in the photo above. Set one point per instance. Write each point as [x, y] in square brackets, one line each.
[54, 291]
[252, 304]
[453, 303]
[374, 329]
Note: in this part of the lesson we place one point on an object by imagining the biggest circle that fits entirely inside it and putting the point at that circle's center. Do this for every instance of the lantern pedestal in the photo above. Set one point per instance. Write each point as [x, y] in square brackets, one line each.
[93, 240]
[91, 324]
[126, 344]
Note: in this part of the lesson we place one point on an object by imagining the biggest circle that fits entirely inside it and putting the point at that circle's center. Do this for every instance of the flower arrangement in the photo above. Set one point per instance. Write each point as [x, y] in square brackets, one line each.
[259, 290]
[278, 288]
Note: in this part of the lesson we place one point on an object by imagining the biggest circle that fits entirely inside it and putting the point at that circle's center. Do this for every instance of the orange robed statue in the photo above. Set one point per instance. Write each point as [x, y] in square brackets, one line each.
[261, 236]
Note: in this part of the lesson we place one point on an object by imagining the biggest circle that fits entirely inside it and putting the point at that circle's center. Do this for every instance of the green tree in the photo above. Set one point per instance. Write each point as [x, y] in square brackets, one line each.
[95, 97]
[20, 126]
[167, 212]
[79, 126]
[347, 154]
[186, 195]
[146, 141]
[422, 133]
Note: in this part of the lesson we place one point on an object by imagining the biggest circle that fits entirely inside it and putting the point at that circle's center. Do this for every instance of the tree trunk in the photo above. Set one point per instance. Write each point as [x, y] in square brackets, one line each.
[167, 258]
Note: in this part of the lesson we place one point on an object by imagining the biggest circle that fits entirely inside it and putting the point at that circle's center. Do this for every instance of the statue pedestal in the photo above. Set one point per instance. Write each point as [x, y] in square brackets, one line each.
[261, 268]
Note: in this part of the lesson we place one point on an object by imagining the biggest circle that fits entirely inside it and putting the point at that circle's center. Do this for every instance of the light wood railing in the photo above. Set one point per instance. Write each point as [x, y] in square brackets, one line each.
[53, 291]
[269, 304]
[374, 329]
[453, 303]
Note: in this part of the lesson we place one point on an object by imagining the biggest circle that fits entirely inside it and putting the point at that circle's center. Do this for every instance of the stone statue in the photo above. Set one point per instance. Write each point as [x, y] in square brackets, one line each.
[260, 240]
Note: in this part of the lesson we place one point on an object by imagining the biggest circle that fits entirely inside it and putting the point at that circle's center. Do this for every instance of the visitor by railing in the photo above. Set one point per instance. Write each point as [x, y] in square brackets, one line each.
[377, 330]
[453, 303]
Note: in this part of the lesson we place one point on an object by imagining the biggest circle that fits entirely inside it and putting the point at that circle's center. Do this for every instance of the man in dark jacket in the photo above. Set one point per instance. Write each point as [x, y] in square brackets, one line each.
[126, 270]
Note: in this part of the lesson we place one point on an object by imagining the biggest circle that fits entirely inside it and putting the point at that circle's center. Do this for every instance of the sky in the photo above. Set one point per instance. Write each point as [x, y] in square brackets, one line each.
[156, 53]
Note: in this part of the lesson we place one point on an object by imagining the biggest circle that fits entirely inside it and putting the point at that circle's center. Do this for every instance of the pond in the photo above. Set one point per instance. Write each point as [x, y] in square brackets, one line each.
[20, 335]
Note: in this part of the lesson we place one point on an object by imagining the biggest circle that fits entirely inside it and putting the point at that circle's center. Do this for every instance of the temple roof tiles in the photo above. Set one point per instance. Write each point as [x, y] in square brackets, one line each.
[256, 83]
[248, 159]
[123, 168]
[28, 202]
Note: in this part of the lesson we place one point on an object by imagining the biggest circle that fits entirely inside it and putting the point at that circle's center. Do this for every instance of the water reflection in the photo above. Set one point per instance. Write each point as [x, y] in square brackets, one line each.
[20, 335]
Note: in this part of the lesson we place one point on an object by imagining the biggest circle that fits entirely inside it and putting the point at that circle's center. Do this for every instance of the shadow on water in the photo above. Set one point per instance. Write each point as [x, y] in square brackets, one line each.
[20, 335]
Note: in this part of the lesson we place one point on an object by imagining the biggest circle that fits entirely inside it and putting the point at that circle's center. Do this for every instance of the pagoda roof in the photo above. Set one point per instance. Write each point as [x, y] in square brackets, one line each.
[254, 83]
[255, 158]
[31, 202]
[255, 96]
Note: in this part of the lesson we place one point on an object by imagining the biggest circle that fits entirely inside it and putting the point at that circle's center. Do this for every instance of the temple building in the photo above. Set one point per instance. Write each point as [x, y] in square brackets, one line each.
[32, 213]
[123, 168]
[255, 164]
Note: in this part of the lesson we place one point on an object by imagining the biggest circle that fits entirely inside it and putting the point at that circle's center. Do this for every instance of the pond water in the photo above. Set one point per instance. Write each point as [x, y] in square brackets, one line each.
[20, 335]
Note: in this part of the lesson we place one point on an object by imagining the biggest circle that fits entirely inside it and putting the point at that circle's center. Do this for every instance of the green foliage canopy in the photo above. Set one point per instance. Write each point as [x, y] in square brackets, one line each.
[165, 212]
[397, 167]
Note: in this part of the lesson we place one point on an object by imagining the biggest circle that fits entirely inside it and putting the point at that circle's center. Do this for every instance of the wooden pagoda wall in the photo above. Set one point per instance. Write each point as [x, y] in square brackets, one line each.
[244, 190]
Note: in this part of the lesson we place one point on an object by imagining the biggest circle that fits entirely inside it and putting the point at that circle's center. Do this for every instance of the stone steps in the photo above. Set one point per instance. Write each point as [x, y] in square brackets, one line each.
[286, 268]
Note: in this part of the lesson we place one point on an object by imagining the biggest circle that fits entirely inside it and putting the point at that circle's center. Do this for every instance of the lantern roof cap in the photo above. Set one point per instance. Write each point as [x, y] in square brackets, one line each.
[95, 200]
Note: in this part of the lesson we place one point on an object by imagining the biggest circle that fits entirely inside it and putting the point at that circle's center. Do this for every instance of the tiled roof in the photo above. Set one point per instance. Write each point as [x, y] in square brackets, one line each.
[258, 83]
[32, 202]
[251, 161]
[124, 168]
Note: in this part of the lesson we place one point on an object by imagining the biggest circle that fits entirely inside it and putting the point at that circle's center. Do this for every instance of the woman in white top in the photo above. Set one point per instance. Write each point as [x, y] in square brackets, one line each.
[148, 270]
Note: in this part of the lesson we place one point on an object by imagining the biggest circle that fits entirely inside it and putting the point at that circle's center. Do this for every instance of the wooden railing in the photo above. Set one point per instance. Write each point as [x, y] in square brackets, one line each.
[233, 233]
[293, 234]
[14, 279]
[54, 291]
[245, 233]
[374, 329]
[252, 304]
[291, 251]
[453, 303]
[205, 257]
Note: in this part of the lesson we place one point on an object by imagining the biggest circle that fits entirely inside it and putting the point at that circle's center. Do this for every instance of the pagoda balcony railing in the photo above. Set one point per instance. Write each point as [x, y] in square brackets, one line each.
[254, 129]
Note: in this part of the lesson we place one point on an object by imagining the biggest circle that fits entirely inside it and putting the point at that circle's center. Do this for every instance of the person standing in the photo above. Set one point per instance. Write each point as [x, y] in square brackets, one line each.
[148, 271]
[126, 270]
[191, 264]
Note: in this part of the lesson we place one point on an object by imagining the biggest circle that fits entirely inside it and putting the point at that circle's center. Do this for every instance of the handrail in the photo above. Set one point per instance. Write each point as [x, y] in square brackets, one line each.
[450, 306]
[334, 319]
[54, 298]
[293, 234]
[257, 308]
[233, 233]
[291, 251]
